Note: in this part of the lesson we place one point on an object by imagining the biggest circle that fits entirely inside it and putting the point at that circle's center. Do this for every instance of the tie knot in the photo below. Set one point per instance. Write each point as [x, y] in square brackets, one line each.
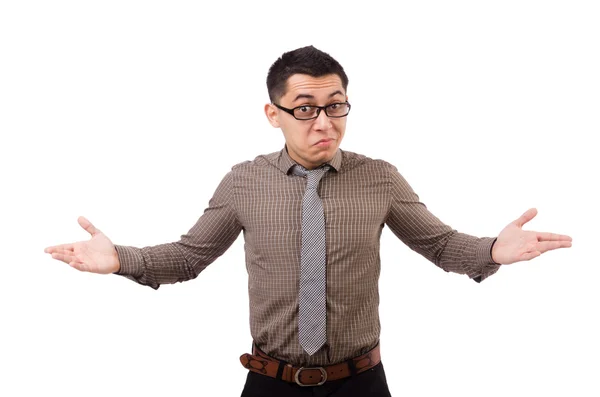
[312, 176]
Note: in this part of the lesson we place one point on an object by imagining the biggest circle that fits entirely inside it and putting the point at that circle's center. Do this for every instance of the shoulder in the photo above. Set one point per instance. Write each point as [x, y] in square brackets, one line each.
[354, 161]
[261, 161]
[374, 170]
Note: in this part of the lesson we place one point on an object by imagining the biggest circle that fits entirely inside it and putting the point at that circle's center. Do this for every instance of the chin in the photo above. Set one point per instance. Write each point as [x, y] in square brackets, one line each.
[325, 156]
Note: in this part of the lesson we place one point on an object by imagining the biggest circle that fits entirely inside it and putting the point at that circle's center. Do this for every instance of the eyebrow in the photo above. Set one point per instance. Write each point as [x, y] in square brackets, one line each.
[308, 96]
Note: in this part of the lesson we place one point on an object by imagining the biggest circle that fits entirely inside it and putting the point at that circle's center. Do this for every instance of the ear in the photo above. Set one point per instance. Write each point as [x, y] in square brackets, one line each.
[272, 114]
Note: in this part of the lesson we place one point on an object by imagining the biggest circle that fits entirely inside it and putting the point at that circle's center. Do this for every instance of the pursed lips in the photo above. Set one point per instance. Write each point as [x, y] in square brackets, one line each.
[324, 140]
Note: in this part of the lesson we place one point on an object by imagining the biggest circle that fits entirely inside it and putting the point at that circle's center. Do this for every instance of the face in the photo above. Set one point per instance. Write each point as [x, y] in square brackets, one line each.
[310, 142]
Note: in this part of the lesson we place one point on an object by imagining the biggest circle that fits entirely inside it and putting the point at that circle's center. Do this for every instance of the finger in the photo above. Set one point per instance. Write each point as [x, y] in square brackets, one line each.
[64, 258]
[64, 252]
[552, 245]
[553, 237]
[87, 225]
[58, 248]
[526, 217]
[530, 255]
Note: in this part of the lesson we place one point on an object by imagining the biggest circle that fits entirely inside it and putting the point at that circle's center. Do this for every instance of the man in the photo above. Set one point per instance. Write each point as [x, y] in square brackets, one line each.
[312, 216]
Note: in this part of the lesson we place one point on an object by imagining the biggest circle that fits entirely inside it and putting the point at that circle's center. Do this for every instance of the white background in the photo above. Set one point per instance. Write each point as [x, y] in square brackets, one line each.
[131, 112]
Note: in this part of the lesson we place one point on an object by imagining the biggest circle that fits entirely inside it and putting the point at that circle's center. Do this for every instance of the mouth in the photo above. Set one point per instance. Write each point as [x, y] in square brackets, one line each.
[324, 142]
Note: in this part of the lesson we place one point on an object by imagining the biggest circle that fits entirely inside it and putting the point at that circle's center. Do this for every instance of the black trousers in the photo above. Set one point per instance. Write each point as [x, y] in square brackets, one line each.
[371, 383]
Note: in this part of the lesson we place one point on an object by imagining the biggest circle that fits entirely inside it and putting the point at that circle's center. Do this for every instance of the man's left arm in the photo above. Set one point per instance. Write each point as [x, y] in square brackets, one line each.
[477, 257]
[410, 220]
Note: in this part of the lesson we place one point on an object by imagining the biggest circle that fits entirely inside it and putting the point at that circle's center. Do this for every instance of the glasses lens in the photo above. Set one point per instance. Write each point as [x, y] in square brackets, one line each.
[305, 112]
[337, 109]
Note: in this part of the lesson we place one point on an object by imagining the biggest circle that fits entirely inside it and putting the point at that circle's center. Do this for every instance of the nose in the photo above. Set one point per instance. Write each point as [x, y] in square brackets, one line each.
[322, 122]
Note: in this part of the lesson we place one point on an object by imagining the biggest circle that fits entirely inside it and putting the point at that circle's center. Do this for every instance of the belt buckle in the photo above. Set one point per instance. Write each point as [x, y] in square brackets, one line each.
[323, 376]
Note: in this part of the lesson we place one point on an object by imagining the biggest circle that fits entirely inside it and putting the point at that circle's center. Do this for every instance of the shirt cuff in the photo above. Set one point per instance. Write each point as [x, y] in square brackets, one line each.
[131, 261]
[483, 259]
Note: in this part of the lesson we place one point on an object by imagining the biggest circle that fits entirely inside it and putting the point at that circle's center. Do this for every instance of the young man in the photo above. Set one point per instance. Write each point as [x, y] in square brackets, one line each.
[312, 216]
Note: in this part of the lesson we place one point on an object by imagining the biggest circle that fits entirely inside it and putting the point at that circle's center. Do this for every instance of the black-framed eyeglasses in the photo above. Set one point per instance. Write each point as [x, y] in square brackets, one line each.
[309, 112]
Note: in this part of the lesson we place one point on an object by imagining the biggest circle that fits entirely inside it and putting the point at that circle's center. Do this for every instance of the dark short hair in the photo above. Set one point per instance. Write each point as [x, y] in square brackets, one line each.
[306, 60]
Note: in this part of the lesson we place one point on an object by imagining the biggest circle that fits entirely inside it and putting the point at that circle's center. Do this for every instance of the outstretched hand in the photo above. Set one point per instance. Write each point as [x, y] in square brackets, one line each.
[515, 244]
[97, 255]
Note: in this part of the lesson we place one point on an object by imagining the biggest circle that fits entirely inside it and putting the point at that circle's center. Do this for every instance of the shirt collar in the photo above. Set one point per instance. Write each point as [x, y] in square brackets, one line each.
[285, 162]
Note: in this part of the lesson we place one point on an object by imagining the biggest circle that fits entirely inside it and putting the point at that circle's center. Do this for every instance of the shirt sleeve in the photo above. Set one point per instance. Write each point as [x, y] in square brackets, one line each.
[209, 238]
[419, 229]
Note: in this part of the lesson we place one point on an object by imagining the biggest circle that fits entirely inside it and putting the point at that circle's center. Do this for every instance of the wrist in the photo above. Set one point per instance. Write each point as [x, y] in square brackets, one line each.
[117, 264]
[493, 250]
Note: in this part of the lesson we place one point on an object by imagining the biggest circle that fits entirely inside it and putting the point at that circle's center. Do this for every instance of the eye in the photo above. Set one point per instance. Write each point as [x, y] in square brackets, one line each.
[305, 112]
[334, 106]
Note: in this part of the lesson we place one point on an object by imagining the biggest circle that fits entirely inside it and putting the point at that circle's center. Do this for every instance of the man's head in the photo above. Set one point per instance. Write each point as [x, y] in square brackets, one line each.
[301, 78]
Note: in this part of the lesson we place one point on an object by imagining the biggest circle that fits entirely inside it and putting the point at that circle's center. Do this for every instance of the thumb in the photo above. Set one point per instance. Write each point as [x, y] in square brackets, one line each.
[526, 217]
[87, 225]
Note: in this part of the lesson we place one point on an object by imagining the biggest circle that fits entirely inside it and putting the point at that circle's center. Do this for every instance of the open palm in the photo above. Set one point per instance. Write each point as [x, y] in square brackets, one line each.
[515, 244]
[97, 255]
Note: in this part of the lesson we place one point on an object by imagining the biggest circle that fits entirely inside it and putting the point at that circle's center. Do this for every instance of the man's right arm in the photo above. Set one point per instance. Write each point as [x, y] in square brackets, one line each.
[209, 238]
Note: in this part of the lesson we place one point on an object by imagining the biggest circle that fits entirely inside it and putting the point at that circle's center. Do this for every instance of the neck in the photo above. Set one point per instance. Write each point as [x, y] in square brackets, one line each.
[307, 165]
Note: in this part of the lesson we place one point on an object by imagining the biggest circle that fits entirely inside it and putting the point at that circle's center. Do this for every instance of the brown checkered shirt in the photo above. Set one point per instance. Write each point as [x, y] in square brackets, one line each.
[263, 199]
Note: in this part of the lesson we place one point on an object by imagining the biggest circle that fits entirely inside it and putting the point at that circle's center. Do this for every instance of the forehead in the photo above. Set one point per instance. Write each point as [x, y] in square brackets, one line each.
[303, 84]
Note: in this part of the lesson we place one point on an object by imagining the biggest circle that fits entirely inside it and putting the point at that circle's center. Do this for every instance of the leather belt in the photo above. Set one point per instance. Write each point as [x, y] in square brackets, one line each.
[263, 364]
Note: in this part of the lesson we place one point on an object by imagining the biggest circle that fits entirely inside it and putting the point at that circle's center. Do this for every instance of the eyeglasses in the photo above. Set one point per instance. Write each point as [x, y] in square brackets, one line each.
[310, 112]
